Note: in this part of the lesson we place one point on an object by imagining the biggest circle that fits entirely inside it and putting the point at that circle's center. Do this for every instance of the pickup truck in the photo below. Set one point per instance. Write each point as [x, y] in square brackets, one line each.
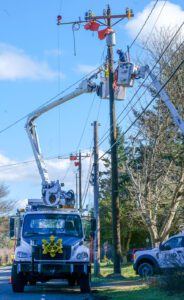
[169, 256]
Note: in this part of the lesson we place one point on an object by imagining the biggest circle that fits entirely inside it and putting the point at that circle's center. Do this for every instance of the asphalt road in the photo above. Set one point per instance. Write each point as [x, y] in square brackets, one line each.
[53, 290]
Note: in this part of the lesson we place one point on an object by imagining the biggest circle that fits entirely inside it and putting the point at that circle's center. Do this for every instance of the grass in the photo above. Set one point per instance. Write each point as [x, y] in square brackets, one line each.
[106, 270]
[138, 293]
[135, 290]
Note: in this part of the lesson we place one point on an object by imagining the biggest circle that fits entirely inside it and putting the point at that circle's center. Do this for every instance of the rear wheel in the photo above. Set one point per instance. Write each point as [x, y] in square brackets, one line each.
[85, 284]
[32, 281]
[71, 281]
[145, 269]
[18, 281]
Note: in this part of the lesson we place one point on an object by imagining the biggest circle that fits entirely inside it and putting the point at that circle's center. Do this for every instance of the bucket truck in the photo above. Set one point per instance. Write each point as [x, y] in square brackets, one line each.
[50, 238]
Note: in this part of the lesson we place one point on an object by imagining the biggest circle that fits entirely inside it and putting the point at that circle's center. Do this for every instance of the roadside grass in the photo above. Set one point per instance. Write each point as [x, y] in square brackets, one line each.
[137, 293]
[134, 288]
[106, 273]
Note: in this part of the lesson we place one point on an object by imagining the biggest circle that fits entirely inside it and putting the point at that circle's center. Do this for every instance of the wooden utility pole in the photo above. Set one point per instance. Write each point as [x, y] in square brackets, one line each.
[80, 182]
[76, 190]
[114, 162]
[96, 202]
[78, 163]
[106, 20]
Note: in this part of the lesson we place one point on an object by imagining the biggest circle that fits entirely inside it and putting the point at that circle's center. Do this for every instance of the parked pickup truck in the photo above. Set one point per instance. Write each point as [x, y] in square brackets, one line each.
[168, 257]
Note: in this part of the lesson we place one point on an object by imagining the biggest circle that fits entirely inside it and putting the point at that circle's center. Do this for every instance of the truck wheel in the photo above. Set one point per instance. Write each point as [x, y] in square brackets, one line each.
[71, 281]
[32, 282]
[18, 281]
[145, 269]
[85, 284]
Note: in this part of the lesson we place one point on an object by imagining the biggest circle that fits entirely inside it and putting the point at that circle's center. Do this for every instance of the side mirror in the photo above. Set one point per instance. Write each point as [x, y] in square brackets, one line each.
[93, 224]
[12, 227]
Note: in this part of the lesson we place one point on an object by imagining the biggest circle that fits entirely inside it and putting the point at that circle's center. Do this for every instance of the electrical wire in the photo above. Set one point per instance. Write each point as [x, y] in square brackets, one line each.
[90, 169]
[87, 182]
[66, 156]
[89, 112]
[82, 135]
[106, 135]
[59, 77]
[150, 33]
[140, 115]
[31, 161]
[156, 2]
[48, 101]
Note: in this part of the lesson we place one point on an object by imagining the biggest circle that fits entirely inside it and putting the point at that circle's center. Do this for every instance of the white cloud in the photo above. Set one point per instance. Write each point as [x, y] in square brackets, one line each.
[15, 64]
[85, 68]
[172, 16]
[53, 52]
[23, 180]
[12, 171]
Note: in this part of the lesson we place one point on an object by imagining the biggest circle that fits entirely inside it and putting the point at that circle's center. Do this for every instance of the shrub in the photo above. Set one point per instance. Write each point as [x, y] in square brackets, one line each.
[172, 281]
[106, 261]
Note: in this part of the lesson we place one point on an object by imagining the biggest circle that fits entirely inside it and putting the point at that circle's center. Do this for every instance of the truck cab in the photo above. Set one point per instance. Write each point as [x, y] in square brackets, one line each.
[50, 244]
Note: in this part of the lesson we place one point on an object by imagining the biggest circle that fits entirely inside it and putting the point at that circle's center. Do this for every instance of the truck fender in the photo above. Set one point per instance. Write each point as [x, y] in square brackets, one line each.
[146, 258]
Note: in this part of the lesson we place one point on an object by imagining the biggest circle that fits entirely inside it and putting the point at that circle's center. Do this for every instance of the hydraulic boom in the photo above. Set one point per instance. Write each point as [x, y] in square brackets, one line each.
[52, 194]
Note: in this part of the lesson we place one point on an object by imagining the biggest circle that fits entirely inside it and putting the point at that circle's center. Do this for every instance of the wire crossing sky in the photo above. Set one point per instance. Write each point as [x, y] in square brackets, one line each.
[38, 65]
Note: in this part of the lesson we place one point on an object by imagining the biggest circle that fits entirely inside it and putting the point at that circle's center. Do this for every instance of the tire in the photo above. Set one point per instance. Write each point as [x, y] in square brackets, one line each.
[32, 282]
[18, 281]
[145, 269]
[71, 281]
[85, 284]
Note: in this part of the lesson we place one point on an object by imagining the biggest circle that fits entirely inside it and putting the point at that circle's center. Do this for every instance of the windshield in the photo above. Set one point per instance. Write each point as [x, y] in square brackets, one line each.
[52, 224]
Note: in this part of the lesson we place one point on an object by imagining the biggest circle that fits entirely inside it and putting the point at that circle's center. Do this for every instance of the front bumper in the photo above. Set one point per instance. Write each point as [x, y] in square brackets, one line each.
[53, 268]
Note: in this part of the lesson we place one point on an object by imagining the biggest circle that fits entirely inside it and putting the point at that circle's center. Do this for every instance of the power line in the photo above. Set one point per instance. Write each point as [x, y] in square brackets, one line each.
[87, 181]
[82, 135]
[144, 24]
[163, 86]
[66, 156]
[103, 138]
[32, 161]
[150, 33]
[67, 171]
[48, 101]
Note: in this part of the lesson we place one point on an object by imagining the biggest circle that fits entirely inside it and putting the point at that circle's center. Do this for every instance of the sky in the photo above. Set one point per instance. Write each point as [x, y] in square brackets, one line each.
[38, 62]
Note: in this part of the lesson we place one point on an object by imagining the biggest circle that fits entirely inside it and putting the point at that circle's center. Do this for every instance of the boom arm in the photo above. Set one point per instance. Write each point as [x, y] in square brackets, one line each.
[165, 98]
[127, 72]
[51, 190]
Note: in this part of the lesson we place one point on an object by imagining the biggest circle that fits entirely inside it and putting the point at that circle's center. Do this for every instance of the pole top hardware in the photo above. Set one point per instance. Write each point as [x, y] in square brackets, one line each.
[90, 16]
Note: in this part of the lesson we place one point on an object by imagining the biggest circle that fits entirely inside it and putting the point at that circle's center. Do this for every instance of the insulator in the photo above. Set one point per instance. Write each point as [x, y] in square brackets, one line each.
[59, 19]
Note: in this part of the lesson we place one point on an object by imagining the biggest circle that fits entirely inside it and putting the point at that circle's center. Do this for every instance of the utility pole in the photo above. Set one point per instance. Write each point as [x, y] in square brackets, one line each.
[106, 20]
[76, 189]
[78, 163]
[96, 202]
[114, 162]
[80, 182]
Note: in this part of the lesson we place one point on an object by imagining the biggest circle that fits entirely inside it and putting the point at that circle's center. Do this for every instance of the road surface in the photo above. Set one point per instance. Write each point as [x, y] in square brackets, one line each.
[53, 290]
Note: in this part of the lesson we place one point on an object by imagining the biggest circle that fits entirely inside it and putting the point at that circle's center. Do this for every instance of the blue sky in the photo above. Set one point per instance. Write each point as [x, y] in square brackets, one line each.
[37, 62]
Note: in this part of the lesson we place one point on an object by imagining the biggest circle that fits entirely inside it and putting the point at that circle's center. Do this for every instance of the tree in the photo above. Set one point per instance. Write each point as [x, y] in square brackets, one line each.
[6, 205]
[156, 164]
[130, 221]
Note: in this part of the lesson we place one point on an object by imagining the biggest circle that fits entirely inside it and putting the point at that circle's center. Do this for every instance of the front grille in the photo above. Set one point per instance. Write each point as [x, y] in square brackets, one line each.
[38, 254]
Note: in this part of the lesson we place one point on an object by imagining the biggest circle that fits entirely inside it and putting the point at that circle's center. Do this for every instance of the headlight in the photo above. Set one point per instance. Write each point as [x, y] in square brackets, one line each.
[21, 254]
[82, 255]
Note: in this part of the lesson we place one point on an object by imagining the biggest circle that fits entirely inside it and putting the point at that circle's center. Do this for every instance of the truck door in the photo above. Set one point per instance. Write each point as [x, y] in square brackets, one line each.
[171, 253]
